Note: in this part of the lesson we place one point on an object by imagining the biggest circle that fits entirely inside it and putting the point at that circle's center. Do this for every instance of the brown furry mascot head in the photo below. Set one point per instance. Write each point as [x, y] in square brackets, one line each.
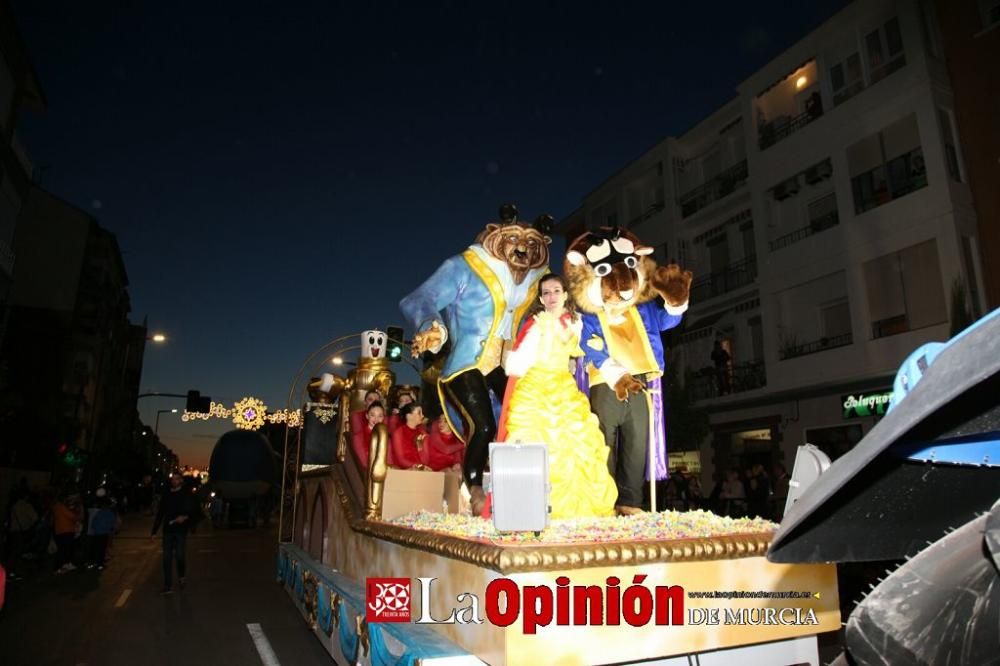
[522, 247]
[609, 269]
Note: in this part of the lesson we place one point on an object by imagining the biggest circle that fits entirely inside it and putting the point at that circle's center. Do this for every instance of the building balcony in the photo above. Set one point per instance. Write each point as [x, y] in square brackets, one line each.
[892, 180]
[713, 382]
[793, 349]
[884, 70]
[821, 223]
[715, 189]
[783, 127]
[734, 276]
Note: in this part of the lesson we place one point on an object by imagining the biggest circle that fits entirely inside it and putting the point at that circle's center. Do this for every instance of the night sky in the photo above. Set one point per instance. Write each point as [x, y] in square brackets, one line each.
[279, 177]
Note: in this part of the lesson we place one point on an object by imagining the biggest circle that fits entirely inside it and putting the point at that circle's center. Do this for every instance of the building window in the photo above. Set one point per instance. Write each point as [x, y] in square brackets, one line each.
[929, 27]
[756, 339]
[718, 253]
[887, 165]
[905, 290]
[683, 254]
[749, 242]
[823, 213]
[950, 151]
[836, 318]
[813, 317]
[847, 79]
[885, 50]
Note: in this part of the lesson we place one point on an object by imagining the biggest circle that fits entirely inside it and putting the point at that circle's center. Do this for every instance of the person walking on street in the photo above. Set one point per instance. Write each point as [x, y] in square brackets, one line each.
[21, 525]
[67, 523]
[176, 513]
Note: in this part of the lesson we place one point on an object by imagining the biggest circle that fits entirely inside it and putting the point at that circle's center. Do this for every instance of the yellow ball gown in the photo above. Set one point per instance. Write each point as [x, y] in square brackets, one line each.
[545, 406]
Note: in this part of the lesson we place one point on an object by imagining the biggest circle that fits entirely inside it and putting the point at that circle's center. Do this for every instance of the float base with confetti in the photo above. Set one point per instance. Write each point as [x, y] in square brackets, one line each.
[591, 591]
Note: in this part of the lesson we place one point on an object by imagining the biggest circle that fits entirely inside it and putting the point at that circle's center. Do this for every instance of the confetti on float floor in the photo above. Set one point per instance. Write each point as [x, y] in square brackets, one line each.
[663, 526]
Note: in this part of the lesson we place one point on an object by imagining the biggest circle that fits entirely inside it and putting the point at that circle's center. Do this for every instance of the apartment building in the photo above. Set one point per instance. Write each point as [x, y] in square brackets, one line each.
[19, 90]
[74, 357]
[825, 213]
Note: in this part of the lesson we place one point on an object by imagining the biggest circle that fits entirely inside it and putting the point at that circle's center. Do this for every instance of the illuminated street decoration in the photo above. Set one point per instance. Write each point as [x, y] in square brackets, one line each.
[247, 414]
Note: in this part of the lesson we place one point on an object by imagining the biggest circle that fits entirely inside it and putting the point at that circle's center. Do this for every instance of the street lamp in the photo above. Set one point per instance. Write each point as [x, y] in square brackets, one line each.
[156, 427]
[157, 337]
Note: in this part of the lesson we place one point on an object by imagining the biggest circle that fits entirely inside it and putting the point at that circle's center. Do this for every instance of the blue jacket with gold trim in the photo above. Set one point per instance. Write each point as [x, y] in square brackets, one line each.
[473, 300]
[654, 318]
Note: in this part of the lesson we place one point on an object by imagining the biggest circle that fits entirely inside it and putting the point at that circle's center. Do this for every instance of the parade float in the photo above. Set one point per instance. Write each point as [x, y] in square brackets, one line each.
[390, 565]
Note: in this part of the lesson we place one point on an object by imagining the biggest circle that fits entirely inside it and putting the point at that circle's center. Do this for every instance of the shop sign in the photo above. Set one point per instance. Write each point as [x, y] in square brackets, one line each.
[859, 405]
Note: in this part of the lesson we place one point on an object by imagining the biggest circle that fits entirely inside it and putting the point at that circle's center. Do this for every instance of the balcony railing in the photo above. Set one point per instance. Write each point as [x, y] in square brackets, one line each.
[713, 382]
[890, 326]
[784, 127]
[734, 276]
[793, 350]
[894, 65]
[821, 223]
[717, 188]
[873, 188]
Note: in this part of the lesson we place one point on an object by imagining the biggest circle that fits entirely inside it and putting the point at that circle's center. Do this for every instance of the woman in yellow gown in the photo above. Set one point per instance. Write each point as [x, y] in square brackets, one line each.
[544, 405]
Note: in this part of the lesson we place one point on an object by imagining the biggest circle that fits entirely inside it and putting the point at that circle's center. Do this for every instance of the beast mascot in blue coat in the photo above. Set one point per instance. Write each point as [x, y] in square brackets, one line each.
[627, 300]
[477, 300]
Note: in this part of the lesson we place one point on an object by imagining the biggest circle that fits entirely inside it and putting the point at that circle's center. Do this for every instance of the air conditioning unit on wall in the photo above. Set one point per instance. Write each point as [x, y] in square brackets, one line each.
[786, 189]
[818, 172]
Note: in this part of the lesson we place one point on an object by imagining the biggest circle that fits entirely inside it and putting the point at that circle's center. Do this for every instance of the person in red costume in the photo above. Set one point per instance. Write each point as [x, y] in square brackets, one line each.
[409, 440]
[444, 449]
[358, 417]
[361, 437]
[395, 418]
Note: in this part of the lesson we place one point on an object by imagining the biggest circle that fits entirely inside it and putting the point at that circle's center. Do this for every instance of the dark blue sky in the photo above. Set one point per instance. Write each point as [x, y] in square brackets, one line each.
[279, 176]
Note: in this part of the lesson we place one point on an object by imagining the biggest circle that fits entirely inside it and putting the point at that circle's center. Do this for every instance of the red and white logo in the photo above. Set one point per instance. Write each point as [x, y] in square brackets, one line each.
[387, 599]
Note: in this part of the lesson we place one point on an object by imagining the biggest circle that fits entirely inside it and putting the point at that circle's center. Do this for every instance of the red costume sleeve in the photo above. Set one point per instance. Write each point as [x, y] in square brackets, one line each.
[443, 451]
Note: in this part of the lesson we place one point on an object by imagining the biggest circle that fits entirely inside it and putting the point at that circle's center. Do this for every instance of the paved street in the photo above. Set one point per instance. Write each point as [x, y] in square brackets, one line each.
[118, 616]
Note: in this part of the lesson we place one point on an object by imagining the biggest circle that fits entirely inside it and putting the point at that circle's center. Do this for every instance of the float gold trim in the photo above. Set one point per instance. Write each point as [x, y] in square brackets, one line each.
[335, 601]
[378, 468]
[361, 626]
[517, 559]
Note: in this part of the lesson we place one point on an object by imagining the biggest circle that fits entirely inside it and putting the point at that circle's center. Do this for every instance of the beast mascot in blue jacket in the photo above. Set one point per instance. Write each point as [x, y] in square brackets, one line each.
[618, 287]
[477, 300]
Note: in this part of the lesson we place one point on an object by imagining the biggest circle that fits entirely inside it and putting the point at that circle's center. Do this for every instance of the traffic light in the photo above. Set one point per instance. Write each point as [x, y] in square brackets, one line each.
[198, 403]
[70, 455]
[394, 346]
